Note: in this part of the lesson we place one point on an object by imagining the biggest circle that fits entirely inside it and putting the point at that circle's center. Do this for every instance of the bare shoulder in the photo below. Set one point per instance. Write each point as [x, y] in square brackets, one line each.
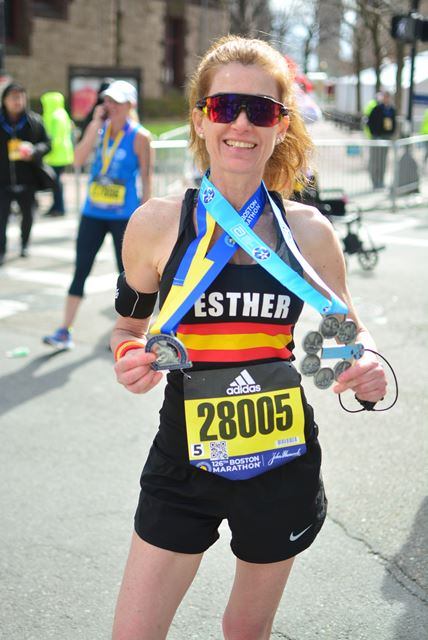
[149, 239]
[308, 225]
[155, 220]
[143, 134]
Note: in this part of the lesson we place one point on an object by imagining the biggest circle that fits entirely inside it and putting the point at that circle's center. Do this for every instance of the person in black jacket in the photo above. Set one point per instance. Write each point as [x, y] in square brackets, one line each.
[381, 124]
[23, 143]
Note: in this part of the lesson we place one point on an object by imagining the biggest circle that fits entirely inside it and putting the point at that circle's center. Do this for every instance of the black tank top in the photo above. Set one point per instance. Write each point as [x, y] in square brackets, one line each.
[245, 316]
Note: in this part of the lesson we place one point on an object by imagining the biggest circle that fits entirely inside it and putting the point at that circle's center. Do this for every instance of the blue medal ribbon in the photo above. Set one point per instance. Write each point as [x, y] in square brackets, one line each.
[219, 254]
[228, 218]
[12, 130]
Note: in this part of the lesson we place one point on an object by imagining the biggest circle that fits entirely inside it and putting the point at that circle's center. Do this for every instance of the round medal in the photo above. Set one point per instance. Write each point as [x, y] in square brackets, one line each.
[312, 342]
[310, 365]
[170, 352]
[324, 378]
[329, 326]
[340, 367]
[347, 331]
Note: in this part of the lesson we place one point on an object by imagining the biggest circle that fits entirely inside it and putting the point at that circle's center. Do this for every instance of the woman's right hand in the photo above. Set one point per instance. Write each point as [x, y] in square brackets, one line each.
[99, 114]
[134, 372]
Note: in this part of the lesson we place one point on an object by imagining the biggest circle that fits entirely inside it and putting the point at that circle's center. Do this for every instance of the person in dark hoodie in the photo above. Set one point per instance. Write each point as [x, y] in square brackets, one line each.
[23, 143]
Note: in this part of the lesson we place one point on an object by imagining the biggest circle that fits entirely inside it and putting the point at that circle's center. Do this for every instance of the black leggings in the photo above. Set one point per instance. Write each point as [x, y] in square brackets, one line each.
[25, 200]
[90, 237]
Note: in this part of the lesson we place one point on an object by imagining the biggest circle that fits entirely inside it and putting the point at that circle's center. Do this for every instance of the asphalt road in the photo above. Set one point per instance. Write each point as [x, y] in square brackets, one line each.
[74, 441]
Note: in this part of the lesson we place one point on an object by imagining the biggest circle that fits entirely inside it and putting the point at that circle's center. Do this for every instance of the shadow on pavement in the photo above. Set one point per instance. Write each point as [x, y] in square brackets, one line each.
[24, 385]
[412, 561]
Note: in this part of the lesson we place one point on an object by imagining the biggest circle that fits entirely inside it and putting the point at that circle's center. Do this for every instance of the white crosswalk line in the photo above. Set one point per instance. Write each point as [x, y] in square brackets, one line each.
[94, 284]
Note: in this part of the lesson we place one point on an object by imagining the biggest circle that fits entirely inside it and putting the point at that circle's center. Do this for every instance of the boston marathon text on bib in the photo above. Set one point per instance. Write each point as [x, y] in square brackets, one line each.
[244, 421]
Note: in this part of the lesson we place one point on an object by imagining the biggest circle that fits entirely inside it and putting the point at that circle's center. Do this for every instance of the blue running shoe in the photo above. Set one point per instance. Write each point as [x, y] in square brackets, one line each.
[61, 339]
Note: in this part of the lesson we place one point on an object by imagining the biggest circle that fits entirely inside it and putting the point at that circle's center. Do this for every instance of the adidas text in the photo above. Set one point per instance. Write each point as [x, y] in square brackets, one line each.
[247, 388]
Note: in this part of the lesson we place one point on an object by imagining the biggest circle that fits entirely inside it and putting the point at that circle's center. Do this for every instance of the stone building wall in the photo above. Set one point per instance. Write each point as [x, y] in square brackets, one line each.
[84, 39]
[88, 38]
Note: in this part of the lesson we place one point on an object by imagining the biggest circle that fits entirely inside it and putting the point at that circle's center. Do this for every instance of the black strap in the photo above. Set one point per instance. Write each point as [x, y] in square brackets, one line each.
[366, 404]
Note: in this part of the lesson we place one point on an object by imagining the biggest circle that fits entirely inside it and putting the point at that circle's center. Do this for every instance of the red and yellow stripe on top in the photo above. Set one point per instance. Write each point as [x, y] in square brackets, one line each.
[236, 341]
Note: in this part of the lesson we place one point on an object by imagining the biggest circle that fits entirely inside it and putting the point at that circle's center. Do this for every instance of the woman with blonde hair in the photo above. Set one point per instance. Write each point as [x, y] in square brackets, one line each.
[237, 439]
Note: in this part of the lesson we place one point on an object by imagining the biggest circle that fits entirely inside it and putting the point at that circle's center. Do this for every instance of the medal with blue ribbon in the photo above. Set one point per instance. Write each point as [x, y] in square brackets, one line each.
[199, 267]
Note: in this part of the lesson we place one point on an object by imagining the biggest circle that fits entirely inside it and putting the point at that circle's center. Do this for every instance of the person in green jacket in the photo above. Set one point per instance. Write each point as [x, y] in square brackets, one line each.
[424, 131]
[367, 111]
[58, 124]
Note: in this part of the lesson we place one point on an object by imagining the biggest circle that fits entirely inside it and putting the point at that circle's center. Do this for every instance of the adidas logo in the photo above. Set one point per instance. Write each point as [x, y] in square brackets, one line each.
[243, 383]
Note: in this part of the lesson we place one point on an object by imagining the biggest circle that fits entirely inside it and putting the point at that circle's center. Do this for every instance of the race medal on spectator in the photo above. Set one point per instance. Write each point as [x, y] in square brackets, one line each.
[244, 421]
[170, 352]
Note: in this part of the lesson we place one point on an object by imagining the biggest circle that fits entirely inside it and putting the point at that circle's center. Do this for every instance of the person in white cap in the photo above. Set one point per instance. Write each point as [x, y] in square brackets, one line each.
[122, 155]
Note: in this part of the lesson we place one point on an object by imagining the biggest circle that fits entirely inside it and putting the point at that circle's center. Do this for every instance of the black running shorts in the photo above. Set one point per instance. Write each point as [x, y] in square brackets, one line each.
[272, 516]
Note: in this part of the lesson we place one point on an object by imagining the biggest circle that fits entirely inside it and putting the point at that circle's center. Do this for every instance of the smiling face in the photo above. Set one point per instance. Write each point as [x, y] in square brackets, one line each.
[116, 110]
[239, 147]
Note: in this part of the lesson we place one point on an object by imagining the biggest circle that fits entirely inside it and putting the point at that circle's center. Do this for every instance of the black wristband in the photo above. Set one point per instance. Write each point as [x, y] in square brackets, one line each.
[130, 303]
[366, 404]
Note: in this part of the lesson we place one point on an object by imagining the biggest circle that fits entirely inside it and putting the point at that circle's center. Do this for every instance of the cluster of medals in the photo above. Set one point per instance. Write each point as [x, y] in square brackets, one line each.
[313, 345]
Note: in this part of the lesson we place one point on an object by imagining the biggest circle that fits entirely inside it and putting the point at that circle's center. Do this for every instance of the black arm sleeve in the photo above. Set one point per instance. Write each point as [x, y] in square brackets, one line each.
[130, 303]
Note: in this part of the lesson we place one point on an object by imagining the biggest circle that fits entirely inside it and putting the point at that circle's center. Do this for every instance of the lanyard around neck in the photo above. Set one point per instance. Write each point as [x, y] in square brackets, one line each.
[228, 218]
[12, 130]
[106, 153]
[199, 267]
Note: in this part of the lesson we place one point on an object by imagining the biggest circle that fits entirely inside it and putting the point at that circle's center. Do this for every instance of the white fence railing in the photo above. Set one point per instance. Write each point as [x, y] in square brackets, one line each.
[348, 165]
[374, 171]
[351, 165]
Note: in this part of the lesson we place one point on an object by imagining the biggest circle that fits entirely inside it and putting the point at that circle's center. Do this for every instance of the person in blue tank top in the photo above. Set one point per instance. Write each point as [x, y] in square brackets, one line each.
[236, 439]
[120, 180]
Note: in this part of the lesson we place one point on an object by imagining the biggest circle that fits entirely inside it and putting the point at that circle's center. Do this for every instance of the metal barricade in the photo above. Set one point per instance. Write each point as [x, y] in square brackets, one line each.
[373, 172]
[347, 164]
[174, 169]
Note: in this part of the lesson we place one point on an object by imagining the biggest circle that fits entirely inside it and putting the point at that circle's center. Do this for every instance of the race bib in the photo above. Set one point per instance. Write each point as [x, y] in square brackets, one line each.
[244, 421]
[107, 194]
[13, 149]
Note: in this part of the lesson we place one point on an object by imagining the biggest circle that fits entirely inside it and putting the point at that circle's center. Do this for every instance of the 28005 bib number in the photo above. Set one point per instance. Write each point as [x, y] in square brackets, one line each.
[249, 424]
[246, 417]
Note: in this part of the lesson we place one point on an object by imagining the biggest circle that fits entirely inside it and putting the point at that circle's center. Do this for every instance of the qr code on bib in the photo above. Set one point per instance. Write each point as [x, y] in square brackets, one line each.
[218, 451]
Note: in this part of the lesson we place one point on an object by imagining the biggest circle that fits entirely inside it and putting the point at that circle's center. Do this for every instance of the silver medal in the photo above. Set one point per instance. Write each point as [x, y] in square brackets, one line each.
[324, 378]
[170, 352]
[347, 331]
[329, 326]
[310, 365]
[312, 342]
[340, 367]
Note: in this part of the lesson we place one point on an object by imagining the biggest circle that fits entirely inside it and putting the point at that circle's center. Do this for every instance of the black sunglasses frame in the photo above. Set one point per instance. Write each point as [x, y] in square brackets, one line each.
[202, 105]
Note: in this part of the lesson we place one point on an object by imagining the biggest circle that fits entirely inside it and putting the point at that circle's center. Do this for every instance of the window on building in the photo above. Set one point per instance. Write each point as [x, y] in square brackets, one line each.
[174, 53]
[16, 18]
[50, 9]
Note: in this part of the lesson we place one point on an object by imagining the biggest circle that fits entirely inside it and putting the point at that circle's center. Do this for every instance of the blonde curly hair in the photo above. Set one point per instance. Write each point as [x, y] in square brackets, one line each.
[289, 162]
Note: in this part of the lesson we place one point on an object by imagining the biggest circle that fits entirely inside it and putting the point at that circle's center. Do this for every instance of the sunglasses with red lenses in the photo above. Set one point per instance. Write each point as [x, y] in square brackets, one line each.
[224, 108]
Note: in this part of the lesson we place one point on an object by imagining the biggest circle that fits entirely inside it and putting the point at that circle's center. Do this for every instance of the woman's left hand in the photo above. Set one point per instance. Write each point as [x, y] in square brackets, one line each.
[366, 378]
